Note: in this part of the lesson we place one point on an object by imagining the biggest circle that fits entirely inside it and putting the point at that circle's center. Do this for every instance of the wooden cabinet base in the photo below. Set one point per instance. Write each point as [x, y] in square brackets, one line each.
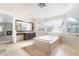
[28, 36]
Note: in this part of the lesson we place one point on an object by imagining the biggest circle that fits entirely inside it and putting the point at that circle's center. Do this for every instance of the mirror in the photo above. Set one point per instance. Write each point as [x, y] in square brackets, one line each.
[22, 26]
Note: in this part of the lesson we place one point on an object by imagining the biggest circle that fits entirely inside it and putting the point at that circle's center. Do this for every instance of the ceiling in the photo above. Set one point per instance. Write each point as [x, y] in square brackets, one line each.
[32, 10]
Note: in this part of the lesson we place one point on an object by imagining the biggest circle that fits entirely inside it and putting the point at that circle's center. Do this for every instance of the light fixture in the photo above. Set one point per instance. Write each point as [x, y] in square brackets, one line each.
[41, 5]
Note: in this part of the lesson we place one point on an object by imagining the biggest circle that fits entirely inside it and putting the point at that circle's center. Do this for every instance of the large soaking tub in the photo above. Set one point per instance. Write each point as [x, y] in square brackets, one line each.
[46, 42]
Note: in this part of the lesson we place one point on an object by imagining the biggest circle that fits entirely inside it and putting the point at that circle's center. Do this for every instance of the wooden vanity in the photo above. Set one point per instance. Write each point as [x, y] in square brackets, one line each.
[25, 35]
[29, 35]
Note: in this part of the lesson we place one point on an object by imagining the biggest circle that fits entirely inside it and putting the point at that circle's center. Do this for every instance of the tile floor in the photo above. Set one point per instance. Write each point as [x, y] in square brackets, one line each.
[11, 49]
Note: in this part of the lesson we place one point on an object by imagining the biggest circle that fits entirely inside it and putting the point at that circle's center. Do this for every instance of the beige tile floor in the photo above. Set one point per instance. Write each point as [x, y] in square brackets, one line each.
[11, 49]
[15, 49]
[64, 50]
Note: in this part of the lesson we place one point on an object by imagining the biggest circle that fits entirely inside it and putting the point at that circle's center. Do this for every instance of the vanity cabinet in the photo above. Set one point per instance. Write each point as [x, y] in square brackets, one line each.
[28, 36]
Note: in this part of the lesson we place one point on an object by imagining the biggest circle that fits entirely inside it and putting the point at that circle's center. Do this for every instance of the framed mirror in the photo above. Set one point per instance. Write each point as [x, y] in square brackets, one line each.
[22, 26]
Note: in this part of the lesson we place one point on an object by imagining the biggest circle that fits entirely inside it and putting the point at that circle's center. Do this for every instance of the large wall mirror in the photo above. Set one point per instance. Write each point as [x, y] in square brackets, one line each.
[22, 26]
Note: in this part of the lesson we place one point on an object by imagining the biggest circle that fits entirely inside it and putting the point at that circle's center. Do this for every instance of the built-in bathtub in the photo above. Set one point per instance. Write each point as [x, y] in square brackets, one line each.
[47, 42]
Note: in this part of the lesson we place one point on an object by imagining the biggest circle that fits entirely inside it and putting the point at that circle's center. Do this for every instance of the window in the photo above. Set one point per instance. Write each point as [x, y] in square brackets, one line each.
[55, 26]
[51, 26]
[41, 26]
[72, 25]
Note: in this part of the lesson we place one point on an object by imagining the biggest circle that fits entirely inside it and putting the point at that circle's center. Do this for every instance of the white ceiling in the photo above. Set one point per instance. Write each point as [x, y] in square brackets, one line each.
[32, 10]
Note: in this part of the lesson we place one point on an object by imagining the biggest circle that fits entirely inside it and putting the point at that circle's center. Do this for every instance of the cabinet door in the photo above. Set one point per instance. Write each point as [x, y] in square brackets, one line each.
[26, 36]
[30, 35]
[34, 34]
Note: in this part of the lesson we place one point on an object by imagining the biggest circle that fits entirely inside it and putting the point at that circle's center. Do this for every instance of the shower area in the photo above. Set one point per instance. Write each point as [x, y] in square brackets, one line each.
[5, 28]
